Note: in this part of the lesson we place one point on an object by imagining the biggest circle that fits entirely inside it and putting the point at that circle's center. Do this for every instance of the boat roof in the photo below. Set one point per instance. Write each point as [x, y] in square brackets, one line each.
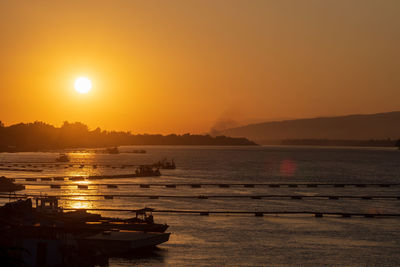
[143, 210]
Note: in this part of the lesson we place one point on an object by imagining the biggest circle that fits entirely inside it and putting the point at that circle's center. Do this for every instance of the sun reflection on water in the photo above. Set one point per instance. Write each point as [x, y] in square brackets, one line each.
[79, 202]
[83, 182]
[85, 154]
[76, 197]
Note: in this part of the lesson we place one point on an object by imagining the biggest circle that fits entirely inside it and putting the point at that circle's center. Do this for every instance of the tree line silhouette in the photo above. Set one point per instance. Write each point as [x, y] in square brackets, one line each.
[39, 136]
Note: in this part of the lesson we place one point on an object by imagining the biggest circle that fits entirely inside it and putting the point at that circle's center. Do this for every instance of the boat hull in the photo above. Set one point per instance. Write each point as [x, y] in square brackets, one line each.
[118, 243]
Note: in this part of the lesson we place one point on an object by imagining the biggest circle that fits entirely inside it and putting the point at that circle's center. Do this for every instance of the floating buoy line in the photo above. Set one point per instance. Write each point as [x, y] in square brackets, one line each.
[192, 185]
[293, 197]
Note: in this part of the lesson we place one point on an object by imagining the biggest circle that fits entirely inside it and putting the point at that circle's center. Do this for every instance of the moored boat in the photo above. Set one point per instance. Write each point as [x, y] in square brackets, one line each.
[6, 185]
[137, 151]
[112, 150]
[47, 209]
[62, 158]
[48, 236]
[147, 170]
[165, 164]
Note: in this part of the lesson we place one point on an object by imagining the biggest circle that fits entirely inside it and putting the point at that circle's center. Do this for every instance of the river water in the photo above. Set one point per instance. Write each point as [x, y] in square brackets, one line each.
[241, 239]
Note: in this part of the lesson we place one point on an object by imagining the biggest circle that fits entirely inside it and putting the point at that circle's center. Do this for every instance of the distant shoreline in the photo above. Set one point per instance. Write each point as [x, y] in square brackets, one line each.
[40, 136]
[66, 149]
[336, 143]
[13, 149]
[380, 129]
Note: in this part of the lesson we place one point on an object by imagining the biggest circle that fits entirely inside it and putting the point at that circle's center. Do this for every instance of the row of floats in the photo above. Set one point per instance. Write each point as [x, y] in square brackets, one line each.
[221, 185]
[29, 166]
[162, 164]
[276, 197]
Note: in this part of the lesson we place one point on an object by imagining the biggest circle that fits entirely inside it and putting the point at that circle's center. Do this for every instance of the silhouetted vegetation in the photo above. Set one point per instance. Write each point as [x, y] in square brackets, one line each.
[40, 136]
[329, 142]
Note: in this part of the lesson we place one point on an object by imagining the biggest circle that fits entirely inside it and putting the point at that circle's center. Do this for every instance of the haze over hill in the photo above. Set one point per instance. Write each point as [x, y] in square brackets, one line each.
[351, 127]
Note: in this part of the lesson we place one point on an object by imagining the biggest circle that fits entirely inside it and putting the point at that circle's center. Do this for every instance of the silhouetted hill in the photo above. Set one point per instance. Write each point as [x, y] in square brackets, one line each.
[352, 127]
[41, 136]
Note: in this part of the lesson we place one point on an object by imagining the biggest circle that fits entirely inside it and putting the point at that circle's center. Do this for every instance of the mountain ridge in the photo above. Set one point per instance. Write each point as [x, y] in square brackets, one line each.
[350, 127]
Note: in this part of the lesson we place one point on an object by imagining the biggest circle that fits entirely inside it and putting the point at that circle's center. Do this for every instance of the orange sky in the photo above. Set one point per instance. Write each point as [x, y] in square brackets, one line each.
[181, 66]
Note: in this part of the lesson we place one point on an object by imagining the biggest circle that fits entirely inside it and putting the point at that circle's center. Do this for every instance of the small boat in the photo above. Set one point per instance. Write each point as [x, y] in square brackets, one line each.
[112, 150]
[146, 171]
[63, 158]
[6, 185]
[143, 221]
[47, 208]
[165, 164]
[137, 151]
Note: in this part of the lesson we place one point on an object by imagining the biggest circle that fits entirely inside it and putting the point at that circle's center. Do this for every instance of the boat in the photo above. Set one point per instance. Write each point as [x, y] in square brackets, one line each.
[137, 151]
[47, 209]
[165, 164]
[7, 185]
[147, 170]
[112, 150]
[143, 221]
[48, 236]
[62, 158]
[141, 171]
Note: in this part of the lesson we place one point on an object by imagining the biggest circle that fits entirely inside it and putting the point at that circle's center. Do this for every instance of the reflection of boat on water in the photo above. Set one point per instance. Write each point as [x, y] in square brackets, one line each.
[48, 236]
[62, 158]
[165, 164]
[6, 185]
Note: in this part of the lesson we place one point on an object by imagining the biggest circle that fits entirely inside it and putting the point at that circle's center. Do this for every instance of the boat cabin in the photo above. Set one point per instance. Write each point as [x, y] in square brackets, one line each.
[47, 204]
[145, 215]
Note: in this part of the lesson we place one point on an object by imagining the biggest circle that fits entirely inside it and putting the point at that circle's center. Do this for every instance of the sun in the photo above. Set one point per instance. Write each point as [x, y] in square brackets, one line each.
[83, 85]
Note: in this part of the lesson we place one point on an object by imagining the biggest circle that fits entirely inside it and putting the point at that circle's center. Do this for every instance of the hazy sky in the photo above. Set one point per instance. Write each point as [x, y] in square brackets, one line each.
[181, 66]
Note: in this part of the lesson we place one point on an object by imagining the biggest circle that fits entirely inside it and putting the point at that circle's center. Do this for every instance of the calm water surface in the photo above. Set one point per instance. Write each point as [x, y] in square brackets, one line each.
[242, 240]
